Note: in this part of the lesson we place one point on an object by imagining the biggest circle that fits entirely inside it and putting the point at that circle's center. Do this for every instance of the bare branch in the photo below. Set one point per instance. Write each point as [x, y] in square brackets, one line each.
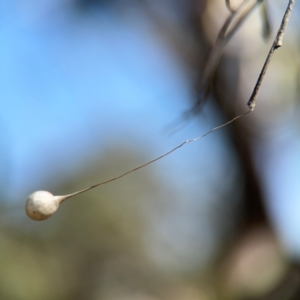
[277, 43]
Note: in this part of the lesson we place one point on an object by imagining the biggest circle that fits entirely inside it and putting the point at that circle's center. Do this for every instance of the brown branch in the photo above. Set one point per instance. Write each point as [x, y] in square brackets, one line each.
[277, 43]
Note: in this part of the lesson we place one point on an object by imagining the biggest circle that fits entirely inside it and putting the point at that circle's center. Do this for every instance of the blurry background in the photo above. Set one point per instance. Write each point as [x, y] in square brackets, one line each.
[93, 88]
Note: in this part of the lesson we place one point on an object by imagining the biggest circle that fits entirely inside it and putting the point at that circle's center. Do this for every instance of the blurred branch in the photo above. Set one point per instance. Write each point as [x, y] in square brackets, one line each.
[266, 26]
[288, 288]
[229, 6]
[229, 28]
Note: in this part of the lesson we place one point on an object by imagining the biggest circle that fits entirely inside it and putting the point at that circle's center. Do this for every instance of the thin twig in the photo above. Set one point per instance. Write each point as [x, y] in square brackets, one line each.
[160, 157]
[277, 43]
